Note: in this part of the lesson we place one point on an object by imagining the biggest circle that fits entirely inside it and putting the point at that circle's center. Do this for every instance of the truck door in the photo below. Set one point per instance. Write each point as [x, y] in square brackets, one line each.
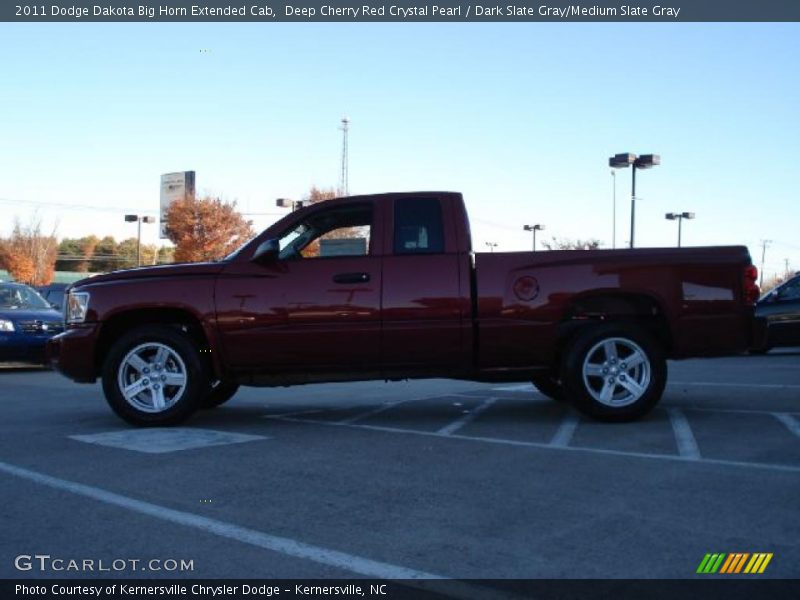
[316, 307]
[423, 310]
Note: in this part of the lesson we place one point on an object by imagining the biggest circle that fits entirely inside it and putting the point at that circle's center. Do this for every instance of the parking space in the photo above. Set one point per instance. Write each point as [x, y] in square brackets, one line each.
[425, 478]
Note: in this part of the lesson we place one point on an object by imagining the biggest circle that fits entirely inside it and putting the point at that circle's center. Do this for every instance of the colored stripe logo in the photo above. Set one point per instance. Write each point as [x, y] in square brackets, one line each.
[735, 562]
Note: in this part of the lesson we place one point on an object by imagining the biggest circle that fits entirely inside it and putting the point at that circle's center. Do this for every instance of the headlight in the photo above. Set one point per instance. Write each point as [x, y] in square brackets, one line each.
[6, 325]
[77, 303]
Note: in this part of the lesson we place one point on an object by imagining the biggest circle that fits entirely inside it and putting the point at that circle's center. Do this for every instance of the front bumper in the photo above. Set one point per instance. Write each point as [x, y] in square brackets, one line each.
[72, 353]
[23, 347]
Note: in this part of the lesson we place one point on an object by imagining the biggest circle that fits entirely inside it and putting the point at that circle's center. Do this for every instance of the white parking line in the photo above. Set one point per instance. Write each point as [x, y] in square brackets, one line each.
[684, 438]
[566, 430]
[282, 545]
[289, 547]
[294, 413]
[527, 387]
[169, 439]
[384, 407]
[771, 386]
[523, 387]
[467, 418]
[751, 411]
[792, 423]
[543, 446]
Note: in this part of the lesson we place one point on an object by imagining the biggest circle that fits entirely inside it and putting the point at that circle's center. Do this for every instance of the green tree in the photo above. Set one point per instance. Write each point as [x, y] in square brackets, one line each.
[106, 257]
[70, 251]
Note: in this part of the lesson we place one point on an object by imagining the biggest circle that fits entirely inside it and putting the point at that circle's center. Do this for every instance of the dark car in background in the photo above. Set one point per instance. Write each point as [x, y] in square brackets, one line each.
[778, 316]
[54, 294]
[27, 322]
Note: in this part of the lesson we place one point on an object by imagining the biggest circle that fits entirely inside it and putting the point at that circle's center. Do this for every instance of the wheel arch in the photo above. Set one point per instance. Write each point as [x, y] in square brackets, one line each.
[124, 321]
[641, 309]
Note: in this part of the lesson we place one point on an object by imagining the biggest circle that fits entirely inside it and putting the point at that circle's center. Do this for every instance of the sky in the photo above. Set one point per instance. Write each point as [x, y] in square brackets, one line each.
[519, 117]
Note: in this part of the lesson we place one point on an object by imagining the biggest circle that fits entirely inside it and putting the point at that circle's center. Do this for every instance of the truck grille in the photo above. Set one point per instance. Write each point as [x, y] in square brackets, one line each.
[41, 326]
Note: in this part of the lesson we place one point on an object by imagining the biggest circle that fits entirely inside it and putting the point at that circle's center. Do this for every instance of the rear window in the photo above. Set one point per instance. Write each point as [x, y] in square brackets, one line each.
[418, 226]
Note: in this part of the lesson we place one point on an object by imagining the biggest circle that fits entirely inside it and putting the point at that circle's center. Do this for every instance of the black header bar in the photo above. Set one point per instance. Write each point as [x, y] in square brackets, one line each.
[267, 11]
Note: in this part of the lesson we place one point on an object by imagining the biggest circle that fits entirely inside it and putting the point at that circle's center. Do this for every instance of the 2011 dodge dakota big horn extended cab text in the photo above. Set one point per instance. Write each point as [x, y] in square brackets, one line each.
[387, 287]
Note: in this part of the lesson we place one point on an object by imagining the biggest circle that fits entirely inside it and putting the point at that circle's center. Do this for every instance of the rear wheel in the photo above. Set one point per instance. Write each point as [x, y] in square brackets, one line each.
[153, 376]
[614, 372]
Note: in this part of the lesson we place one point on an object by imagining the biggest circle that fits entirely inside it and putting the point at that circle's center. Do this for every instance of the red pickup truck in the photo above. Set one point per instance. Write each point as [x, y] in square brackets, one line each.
[388, 287]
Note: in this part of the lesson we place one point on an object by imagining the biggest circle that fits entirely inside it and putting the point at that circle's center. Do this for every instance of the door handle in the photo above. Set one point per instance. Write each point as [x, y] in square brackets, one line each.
[351, 278]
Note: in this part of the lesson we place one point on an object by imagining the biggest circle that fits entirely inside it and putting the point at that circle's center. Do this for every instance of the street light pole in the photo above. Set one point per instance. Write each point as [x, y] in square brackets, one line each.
[139, 242]
[139, 220]
[633, 203]
[679, 217]
[291, 204]
[534, 229]
[613, 208]
[643, 161]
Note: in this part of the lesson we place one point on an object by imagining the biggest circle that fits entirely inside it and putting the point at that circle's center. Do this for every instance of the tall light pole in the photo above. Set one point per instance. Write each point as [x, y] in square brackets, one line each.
[534, 229]
[643, 161]
[139, 220]
[679, 217]
[613, 208]
[492, 246]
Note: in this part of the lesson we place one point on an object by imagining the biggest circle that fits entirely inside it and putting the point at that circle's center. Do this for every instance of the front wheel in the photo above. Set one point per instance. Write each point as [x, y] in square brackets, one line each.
[153, 376]
[614, 372]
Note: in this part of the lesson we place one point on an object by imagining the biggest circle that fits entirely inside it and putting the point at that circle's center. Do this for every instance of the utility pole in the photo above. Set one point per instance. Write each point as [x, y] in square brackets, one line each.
[613, 208]
[786, 268]
[344, 183]
[764, 244]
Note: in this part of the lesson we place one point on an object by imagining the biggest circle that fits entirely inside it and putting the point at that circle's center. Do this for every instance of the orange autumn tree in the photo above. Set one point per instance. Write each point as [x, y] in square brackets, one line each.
[28, 255]
[206, 228]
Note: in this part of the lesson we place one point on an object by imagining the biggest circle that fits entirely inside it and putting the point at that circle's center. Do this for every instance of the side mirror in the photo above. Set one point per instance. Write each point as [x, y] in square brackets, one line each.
[267, 251]
[54, 305]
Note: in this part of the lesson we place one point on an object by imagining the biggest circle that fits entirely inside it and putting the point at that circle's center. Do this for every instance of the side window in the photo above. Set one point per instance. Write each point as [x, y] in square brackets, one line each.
[418, 227]
[343, 231]
[790, 291]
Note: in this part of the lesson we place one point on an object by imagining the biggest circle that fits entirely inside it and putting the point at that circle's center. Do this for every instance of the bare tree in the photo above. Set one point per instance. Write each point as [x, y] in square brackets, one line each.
[555, 243]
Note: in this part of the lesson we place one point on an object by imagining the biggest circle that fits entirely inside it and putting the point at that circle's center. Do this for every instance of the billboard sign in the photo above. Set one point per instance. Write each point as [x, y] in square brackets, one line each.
[174, 186]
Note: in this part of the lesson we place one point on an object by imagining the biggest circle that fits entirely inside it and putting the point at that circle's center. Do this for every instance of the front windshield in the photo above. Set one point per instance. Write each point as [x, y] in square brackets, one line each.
[20, 297]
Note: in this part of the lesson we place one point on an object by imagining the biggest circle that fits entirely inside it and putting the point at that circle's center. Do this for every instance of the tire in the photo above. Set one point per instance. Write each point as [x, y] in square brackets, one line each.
[600, 355]
[220, 393]
[549, 385]
[144, 356]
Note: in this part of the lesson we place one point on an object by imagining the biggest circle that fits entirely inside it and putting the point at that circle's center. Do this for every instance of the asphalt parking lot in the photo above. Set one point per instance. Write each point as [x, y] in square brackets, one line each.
[410, 479]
